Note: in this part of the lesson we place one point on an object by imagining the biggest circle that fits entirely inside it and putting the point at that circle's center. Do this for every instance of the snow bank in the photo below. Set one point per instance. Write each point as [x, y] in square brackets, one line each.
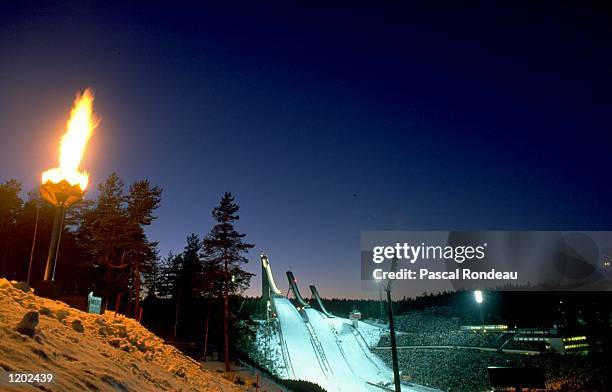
[90, 352]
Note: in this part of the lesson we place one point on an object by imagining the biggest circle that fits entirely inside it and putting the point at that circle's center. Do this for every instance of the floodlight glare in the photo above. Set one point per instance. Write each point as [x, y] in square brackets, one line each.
[478, 296]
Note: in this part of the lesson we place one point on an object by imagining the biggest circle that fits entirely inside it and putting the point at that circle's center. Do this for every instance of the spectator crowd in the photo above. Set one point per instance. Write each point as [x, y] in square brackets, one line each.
[457, 370]
[463, 365]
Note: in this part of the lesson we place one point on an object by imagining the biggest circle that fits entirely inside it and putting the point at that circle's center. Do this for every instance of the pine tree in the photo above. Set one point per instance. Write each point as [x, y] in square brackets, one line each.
[142, 200]
[179, 276]
[169, 270]
[153, 278]
[10, 206]
[223, 253]
[101, 233]
[112, 235]
[10, 203]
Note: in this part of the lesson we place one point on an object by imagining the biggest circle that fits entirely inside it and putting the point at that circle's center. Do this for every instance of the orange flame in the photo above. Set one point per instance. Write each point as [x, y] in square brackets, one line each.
[79, 129]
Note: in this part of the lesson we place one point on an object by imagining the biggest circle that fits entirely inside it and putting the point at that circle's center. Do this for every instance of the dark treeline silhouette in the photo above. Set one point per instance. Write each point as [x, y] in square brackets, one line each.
[195, 296]
[573, 311]
[191, 288]
[159, 316]
[191, 296]
[103, 247]
[18, 219]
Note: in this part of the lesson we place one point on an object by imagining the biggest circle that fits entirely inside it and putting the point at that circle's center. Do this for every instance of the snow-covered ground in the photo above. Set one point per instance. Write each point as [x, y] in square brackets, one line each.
[352, 364]
[88, 352]
[303, 361]
[329, 351]
[371, 332]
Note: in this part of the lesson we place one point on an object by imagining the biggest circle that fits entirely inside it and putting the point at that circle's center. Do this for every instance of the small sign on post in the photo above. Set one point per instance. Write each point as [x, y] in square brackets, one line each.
[94, 304]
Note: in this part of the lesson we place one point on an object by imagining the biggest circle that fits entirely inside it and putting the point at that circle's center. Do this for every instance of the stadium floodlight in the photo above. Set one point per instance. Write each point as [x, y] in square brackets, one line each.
[478, 296]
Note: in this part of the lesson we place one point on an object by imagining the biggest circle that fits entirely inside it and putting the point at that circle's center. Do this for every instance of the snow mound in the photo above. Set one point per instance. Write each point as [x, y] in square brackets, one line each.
[88, 351]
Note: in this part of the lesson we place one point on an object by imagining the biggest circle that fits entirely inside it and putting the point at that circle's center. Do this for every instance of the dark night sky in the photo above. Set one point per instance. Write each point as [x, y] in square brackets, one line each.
[324, 121]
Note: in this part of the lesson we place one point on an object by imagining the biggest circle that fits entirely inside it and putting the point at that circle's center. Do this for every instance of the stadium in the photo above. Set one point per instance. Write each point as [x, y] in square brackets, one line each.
[460, 341]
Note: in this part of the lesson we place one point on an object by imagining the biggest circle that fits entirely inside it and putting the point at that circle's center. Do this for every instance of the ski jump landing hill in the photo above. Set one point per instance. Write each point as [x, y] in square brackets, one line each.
[327, 350]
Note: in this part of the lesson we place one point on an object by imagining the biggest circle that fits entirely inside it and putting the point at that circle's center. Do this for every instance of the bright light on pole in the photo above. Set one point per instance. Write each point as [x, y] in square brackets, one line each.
[479, 298]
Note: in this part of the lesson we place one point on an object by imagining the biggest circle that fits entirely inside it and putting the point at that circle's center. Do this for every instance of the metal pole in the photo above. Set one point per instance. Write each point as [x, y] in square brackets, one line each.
[382, 311]
[33, 243]
[56, 235]
[396, 376]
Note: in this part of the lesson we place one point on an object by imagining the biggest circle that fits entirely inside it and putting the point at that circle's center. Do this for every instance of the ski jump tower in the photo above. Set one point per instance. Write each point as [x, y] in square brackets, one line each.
[268, 286]
[296, 290]
[270, 290]
[316, 296]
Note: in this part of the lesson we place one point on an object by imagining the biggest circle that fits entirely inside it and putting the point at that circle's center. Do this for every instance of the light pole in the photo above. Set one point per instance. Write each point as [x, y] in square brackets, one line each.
[380, 299]
[479, 300]
[396, 375]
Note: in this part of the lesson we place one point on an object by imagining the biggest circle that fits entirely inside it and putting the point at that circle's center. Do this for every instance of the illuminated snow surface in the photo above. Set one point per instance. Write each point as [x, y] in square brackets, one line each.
[329, 351]
[112, 353]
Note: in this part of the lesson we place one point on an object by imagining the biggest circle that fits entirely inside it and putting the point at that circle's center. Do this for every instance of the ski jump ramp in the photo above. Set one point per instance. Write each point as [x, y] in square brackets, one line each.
[315, 295]
[322, 348]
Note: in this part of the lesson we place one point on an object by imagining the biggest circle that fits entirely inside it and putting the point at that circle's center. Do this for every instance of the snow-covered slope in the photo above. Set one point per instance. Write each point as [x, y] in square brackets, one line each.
[329, 351]
[299, 345]
[318, 347]
[351, 362]
[87, 352]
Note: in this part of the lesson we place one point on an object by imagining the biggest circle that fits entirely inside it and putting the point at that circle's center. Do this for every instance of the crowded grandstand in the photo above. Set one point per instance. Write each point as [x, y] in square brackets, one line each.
[436, 348]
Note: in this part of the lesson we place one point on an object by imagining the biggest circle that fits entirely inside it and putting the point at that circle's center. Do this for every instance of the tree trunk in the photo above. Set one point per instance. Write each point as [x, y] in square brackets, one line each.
[4, 257]
[117, 303]
[137, 286]
[226, 318]
[206, 333]
[4, 236]
[176, 313]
